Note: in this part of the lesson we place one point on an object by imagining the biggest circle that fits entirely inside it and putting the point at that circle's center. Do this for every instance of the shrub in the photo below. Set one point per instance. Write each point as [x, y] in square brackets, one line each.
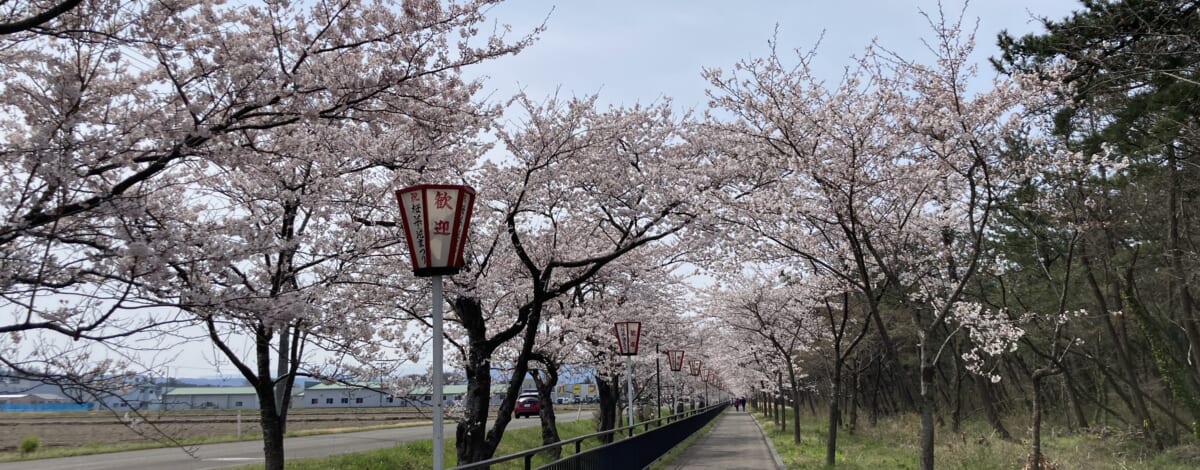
[29, 445]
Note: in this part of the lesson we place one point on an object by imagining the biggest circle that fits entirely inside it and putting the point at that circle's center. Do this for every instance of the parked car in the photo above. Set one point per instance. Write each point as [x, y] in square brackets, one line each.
[576, 400]
[527, 405]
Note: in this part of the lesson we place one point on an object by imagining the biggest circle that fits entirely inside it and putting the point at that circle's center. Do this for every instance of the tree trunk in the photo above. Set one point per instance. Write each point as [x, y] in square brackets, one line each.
[1076, 406]
[776, 400]
[608, 406]
[956, 397]
[986, 399]
[1035, 445]
[852, 425]
[831, 440]
[873, 417]
[893, 359]
[281, 370]
[1184, 295]
[782, 403]
[546, 414]
[272, 431]
[272, 425]
[474, 442]
[471, 433]
[926, 405]
[1120, 346]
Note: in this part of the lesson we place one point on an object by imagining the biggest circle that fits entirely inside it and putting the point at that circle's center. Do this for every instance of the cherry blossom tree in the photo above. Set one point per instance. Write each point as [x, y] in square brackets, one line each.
[230, 160]
[577, 327]
[548, 221]
[887, 181]
[780, 316]
[32, 15]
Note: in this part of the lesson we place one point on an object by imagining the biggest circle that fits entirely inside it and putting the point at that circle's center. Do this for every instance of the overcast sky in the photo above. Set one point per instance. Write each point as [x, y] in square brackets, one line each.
[642, 51]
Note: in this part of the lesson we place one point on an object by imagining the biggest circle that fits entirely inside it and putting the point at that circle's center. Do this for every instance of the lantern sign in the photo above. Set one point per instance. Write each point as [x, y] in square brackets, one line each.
[695, 367]
[628, 334]
[436, 219]
[675, 359]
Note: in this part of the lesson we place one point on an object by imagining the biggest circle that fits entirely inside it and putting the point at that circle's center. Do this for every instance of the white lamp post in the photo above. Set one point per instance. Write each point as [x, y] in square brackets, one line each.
[628, 334]
[695, 372]
[436, 219]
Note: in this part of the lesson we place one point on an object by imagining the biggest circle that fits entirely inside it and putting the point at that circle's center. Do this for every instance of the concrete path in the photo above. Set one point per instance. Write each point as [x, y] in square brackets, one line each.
[735, 443]
[235, 454]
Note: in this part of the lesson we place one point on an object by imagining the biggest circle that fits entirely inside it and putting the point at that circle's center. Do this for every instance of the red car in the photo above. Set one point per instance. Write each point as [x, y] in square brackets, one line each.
[527, 405]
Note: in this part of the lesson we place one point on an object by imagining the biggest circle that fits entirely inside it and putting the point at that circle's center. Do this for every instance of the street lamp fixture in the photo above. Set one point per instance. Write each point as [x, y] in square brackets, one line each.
[675, 359]
[436, 220]
[628, 334]
[675, 363]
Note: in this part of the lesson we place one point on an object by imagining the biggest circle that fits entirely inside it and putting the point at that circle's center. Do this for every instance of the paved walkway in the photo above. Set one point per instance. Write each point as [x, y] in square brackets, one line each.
[735, 443]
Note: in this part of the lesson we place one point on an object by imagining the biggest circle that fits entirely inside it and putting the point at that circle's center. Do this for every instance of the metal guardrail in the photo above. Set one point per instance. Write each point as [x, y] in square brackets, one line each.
[687, 418]
[637, 451]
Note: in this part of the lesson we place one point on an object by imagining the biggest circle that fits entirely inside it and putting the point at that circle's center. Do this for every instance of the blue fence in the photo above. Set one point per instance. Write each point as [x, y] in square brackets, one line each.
[46, 407]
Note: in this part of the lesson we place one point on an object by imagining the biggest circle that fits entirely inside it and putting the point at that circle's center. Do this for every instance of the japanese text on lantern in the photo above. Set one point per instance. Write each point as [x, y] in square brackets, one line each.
[415, 230]
[442, 200]
[441, 227]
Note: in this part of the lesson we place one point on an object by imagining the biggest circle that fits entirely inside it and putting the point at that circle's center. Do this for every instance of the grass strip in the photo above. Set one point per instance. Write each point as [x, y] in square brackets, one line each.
[893, 444]
[418, 455]
[93, 449]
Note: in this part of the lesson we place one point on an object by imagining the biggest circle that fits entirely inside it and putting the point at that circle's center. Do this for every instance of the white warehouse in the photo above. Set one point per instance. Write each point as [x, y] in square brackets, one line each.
[210, 398]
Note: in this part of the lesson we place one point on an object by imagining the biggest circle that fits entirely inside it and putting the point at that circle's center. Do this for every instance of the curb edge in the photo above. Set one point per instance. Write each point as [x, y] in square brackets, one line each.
[774, 454]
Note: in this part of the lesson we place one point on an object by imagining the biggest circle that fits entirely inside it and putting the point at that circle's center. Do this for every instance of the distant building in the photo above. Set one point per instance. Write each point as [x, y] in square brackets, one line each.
[210, 398]
[12, 384]
[143, 396]
[339, 395]
[366, 396]
[567, 393]
[32, 399]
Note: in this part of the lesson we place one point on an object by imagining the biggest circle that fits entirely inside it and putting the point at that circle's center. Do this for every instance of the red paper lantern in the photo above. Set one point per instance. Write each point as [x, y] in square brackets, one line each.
[675, 359]
[628, 334]
[436, 220]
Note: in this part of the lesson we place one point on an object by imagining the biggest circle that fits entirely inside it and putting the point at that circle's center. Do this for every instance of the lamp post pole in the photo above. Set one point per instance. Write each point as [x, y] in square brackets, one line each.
[436, 220]
[629, 392]
[437, 374]
[657, 384]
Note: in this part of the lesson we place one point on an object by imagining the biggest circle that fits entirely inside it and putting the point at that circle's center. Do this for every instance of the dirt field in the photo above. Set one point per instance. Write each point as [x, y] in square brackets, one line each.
[83, 428]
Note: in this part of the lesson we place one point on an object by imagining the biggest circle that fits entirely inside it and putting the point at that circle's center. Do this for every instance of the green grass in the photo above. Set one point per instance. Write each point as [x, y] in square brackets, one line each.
[93, 449]
[418, 455]
[892, 444]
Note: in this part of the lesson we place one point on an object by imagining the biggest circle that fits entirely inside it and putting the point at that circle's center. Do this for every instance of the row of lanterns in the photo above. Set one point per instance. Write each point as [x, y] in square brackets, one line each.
[436, 219]
[628, 333]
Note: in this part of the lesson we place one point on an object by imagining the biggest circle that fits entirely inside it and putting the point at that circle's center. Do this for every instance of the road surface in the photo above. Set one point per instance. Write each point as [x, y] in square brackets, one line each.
[234, 454]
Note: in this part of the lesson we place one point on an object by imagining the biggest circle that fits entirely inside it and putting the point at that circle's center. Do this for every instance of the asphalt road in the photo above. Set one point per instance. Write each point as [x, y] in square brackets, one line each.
[233, 454]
